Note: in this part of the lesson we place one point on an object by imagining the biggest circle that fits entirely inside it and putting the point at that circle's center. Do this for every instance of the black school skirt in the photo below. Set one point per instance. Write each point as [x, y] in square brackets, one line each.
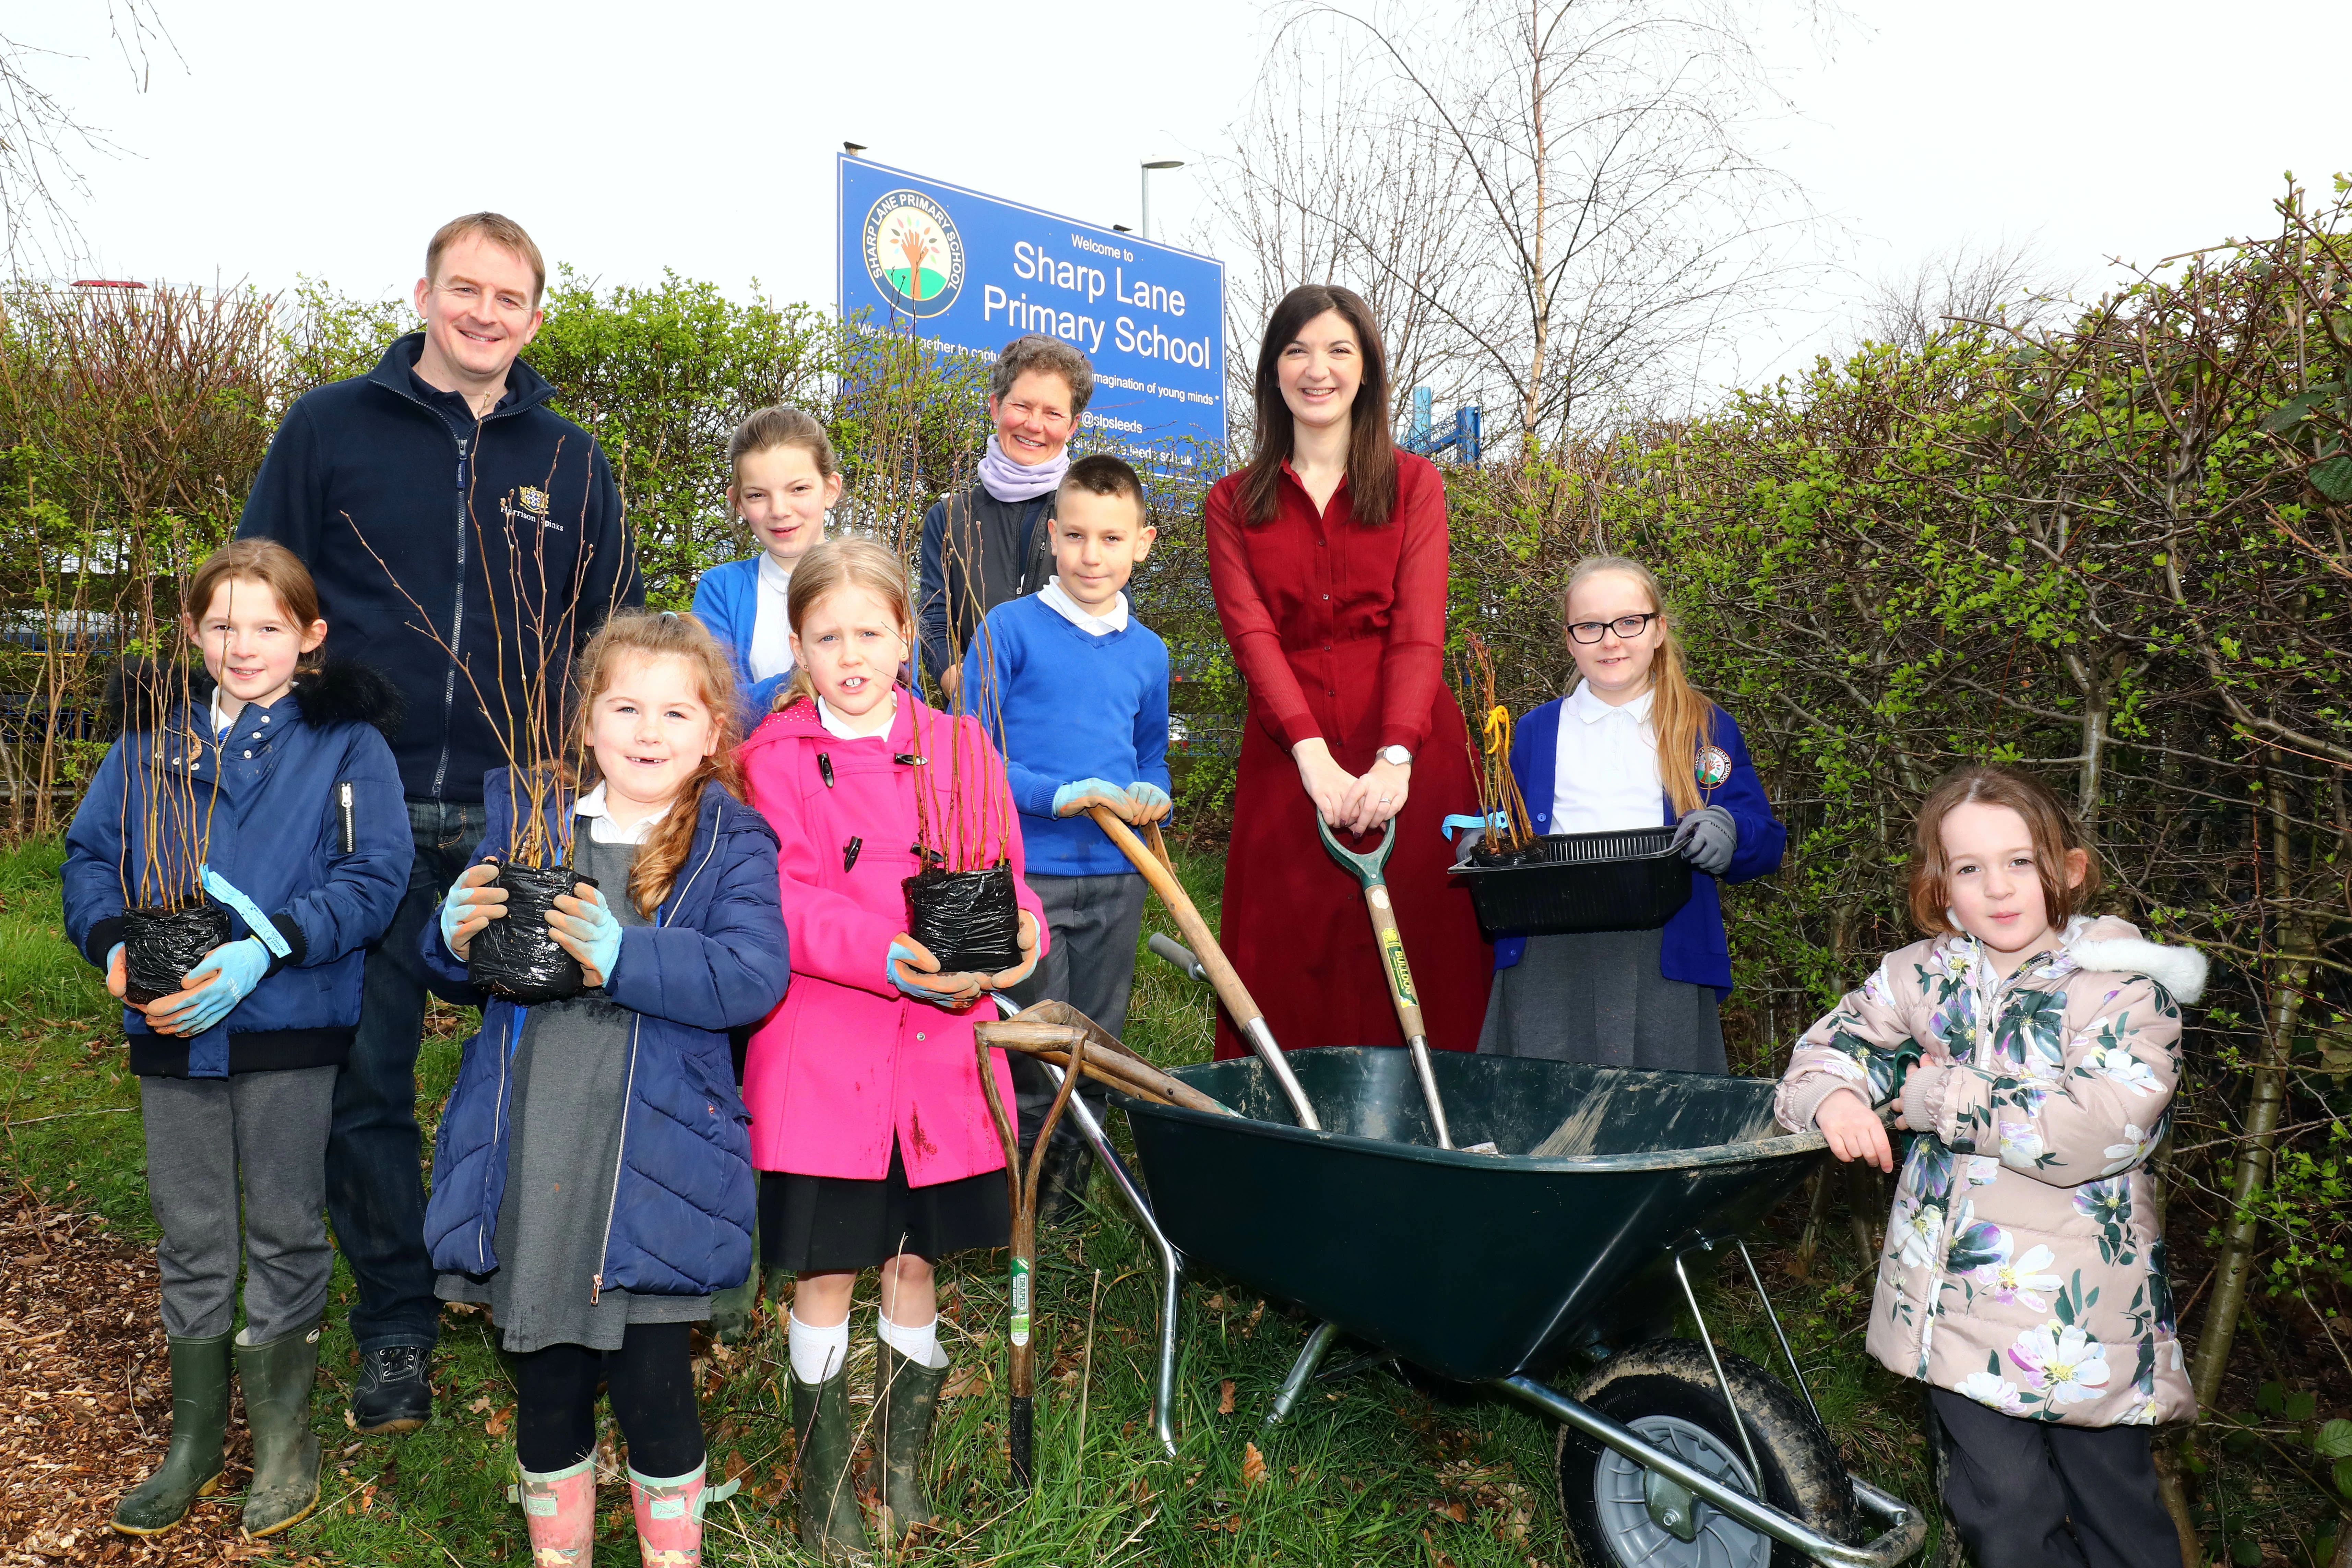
[827, 1225]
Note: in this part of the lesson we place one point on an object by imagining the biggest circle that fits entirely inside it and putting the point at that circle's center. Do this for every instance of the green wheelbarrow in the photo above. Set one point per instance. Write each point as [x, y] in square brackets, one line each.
[1558, 1248]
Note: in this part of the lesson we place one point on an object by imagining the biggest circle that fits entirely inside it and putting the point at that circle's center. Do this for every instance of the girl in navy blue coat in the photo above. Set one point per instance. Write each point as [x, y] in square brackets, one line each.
[782, 477]
[268, 785]
[1634, 745]
[592, 1176]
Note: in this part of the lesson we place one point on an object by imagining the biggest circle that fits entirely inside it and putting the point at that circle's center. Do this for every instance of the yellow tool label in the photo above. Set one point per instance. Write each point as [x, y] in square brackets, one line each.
[1392, 954]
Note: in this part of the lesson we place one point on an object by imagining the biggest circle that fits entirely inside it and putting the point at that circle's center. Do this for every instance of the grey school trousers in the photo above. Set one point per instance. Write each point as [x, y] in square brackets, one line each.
[203, 1135]
[1090, 964]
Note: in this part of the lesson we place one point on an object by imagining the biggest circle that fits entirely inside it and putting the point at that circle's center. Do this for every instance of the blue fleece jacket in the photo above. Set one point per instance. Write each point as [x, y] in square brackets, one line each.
[713, 959]
[507, 544]
[1069, 705]
[1692, 948]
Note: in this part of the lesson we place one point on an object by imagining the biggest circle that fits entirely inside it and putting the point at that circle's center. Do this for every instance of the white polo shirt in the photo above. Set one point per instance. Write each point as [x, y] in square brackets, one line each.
[772, 622]
[1605, 775]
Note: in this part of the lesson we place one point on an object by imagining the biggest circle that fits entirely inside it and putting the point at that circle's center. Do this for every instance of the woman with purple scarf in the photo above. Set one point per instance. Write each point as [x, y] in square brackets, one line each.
[990, 543]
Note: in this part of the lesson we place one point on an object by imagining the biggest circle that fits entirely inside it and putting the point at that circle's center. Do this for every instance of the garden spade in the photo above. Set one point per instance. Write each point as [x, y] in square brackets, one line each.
[1366, 870]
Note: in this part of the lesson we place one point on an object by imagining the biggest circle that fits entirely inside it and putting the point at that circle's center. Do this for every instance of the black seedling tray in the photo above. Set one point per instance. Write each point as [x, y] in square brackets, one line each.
[1627, 880]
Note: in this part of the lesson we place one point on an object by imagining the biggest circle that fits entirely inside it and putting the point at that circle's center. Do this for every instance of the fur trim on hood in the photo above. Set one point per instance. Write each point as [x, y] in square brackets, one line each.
[2116, 946]
[332, 691]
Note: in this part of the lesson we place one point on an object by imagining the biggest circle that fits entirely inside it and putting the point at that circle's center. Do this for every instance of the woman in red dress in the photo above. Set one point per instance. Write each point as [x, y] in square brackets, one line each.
[1327, 555]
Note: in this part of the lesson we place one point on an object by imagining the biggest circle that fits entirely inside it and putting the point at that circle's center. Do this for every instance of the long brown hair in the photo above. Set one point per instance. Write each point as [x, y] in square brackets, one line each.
[1681, 716]
[268, 562]
[658, 634]
[2056, 835]
[1372, 454]
[850, 563]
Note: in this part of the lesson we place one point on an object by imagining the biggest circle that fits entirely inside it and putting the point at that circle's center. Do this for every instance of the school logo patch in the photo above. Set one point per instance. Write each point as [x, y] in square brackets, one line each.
[534, 499]
[913, 253]
[1713, 766]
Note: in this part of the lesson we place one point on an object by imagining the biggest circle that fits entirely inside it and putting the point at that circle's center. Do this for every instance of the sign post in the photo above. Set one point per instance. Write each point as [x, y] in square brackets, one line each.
[970, 273]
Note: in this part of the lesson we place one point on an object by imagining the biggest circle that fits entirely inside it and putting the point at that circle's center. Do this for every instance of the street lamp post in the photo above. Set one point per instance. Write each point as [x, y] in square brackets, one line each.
[1150, 165]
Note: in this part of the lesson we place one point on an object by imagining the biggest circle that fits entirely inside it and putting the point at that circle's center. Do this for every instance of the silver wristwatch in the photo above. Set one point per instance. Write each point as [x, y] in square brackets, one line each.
[1395, 756]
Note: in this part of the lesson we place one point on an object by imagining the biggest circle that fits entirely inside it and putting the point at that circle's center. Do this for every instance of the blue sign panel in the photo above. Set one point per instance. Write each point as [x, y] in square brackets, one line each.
[973, 273]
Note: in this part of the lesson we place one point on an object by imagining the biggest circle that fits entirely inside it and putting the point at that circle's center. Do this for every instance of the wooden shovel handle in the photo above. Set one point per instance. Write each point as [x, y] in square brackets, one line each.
[1162, 880]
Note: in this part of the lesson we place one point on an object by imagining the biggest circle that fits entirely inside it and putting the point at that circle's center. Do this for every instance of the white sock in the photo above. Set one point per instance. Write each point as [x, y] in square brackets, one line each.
[919, 1344]
[817, 1353]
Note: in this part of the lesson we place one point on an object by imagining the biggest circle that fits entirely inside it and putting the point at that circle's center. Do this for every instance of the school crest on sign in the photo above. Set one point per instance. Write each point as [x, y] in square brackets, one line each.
[913, 253]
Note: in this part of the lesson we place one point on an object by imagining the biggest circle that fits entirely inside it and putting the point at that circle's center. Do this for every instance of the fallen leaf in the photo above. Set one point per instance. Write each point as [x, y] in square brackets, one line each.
[481, 1406]
[498, 1422]
[1253, 1465]
[1215, 1303]
[1454, 1510]
[367, 1496]
[968, 1377]
[1225, 1398]
[1255, 1313]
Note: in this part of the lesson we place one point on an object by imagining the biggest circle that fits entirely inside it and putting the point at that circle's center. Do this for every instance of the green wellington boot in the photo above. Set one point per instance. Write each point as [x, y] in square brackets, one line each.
[736, 1309]
[276, 1380]
[831, 1526]
[192, 1466]
[905, 1396]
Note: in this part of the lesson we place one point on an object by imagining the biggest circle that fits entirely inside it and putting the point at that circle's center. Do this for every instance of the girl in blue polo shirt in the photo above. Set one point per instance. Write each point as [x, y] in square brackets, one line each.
[1634, 745]
[784, 480]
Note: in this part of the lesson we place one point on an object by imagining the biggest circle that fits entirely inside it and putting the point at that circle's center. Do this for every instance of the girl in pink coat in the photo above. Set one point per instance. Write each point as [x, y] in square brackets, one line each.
[868, 1122]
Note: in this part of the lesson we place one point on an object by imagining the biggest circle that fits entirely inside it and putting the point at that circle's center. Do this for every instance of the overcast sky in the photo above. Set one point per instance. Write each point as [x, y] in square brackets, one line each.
[699, 135]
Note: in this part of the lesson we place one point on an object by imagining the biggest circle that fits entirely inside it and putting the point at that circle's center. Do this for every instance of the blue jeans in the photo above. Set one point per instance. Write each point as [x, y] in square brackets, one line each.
[375, 1186]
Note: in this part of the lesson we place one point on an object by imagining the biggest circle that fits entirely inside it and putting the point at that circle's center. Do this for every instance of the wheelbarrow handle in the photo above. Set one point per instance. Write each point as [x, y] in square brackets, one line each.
[1248, 1018]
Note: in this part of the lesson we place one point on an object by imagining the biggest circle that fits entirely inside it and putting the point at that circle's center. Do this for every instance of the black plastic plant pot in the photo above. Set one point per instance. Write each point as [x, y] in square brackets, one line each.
[514, 957]
[1631, 879]
[159, 946]
[968, 920]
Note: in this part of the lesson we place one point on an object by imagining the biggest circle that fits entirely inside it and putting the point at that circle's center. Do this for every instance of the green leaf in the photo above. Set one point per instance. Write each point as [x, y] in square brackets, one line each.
[2333, 1441]
[2302, 1406]
[2270, 1399]
[2293, 411]
[2246, 1554]
[2344, 1477]
[2333, 479]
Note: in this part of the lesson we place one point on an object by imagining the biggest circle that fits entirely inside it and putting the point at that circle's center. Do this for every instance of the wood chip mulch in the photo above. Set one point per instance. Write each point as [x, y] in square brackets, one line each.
[85, 1400]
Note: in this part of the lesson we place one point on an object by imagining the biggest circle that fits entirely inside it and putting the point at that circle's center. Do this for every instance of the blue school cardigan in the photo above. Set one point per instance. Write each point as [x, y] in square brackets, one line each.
[1692, 948]
[727, 600]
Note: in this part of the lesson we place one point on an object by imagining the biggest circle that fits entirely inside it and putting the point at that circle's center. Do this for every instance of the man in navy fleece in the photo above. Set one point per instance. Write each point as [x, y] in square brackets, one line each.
[437, 491]
[1075, 692]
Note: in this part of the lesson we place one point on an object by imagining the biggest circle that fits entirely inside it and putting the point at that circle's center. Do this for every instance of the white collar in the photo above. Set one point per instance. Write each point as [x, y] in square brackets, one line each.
[603, 829]
[1058, 600]
[1592, 709]
[221, 721]
[839, 728]
[774, 574]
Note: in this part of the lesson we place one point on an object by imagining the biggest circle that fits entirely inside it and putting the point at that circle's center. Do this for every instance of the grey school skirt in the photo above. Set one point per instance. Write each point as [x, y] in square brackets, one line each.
[1599, 997]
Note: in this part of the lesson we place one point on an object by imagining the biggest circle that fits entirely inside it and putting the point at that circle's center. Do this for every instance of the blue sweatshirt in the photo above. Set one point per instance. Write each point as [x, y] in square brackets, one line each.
[1070, 705]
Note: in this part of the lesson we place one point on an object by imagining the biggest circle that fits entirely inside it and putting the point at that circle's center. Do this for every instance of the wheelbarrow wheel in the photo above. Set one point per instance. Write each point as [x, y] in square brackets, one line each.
[1665, 1392]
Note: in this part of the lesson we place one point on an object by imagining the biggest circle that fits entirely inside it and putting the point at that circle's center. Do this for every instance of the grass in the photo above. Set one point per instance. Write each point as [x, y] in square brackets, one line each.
[1375, 1468]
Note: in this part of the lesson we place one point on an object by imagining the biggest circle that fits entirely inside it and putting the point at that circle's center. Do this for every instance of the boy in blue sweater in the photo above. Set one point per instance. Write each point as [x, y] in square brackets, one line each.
[1074, 690]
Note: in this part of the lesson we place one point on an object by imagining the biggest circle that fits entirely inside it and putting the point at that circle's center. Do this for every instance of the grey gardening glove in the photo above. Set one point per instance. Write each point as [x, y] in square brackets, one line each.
[1706, 839]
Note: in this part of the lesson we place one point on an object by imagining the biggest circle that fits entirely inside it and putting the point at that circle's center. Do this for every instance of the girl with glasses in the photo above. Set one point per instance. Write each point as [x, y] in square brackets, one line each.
[1633, 745]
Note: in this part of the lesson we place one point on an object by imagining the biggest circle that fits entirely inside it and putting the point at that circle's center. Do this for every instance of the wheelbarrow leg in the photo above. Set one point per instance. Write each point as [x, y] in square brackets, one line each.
[1171, 1262]
[1302, 1372]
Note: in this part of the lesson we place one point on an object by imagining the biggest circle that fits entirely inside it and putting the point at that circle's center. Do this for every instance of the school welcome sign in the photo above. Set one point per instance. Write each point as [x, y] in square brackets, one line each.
[972, 272]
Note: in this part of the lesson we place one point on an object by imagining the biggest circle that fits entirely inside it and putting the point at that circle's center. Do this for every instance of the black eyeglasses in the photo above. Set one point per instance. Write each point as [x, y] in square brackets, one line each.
[1626, 626]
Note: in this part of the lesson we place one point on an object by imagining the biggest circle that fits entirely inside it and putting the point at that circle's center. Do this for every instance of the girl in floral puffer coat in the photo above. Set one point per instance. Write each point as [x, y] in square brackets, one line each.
[2034, 1051]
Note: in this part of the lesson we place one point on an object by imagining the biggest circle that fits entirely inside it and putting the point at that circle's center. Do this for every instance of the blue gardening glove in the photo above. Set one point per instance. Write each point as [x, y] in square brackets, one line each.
[1067, 799]
[593, 931]
[1707, 837]
[237, 967]
[958, 993]
[1152, 802]
[471, 897]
